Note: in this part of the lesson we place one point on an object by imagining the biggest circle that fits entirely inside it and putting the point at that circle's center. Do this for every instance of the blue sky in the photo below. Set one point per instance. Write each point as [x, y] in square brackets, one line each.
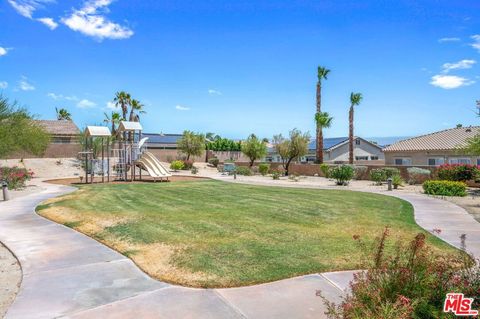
[237, 67]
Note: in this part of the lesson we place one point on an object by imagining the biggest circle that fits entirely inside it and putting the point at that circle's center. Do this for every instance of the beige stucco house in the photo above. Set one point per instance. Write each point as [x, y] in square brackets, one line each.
[336, 150]
[433, 149]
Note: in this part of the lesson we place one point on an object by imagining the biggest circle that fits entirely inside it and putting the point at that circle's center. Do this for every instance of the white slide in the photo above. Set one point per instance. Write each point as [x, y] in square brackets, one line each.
[152, 165]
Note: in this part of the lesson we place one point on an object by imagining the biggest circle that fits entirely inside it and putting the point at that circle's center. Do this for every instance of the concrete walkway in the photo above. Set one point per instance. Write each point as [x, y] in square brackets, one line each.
[69, 275]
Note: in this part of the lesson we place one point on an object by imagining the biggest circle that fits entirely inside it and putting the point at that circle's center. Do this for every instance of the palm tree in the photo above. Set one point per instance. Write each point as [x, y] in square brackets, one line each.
[122, 99]
[323, 120]
[135, 105]
[322, 74]
[114, 119]
[355, 99]
[63, 114]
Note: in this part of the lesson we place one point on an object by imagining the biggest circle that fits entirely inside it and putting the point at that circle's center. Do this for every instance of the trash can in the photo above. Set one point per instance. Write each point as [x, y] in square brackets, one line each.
[6, 195]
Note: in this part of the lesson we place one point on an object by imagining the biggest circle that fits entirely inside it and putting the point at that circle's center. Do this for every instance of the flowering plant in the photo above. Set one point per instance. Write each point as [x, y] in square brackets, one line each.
[457, 172]
[15, 177]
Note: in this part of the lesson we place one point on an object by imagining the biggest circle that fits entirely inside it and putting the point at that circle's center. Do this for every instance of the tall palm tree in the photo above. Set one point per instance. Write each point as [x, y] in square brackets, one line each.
[113, 119]
[63, 114]
[123, 99]
[355, 99]
[322, 74]
[322, 120]
[135, 106]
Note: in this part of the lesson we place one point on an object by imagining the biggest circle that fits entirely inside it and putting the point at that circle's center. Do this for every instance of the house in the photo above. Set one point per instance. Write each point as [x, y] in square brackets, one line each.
[433, 149]
[63, 140]
[336, 150]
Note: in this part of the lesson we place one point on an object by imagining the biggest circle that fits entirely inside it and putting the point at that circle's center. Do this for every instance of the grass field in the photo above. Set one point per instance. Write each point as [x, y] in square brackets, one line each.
[216, 234]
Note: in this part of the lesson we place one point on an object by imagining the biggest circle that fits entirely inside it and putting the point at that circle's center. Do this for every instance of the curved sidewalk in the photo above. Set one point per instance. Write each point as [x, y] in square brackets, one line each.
[67, 274]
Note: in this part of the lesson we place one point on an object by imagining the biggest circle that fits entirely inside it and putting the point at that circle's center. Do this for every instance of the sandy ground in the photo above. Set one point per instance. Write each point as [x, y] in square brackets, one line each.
[48, 167]
[10, 278]
[470, 203]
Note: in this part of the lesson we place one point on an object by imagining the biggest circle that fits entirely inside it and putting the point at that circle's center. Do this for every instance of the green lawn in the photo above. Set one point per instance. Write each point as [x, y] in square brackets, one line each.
[216, 234]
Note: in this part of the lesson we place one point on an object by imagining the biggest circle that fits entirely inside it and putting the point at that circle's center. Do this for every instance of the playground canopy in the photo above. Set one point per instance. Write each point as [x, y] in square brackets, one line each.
[129, 126]
[100, 131]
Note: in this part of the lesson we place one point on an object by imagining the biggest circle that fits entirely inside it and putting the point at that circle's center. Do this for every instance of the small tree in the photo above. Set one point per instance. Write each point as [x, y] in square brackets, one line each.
[291, 149]
[18, 131]
[254, 148]
[191, 144]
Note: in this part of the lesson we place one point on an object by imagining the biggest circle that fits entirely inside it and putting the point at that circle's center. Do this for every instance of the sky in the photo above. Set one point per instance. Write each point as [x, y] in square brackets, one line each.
[241, 67]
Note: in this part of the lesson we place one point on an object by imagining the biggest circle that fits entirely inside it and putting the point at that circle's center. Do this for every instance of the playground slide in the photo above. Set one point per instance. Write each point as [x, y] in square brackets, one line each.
[151, 164]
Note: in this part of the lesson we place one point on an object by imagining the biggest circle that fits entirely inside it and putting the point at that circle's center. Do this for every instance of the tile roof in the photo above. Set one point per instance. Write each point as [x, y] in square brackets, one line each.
[449, 139]
[59, 127]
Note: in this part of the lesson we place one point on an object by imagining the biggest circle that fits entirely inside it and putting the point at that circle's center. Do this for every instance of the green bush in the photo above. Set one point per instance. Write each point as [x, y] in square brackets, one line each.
[325, 168]
[378, 175]
[391, 171]
[276, 175]
[242, 170]
[342, 174]
[15, 177]
[176, 165]
[417, 175]
[213, 161]
[457, 172]
[263, 168]
[397, 181]
[445, 188]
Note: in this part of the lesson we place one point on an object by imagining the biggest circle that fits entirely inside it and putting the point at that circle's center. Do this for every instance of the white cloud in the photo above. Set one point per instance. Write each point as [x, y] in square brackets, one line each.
[442, 40]
[27, 7]
[90, 22]
[60, 97]
[214, 92]
[476, 43]
[450, 81]
[86, 104]
[111, 106]
[463, 64]
[3, 51]
[25, 85]
[52, 25]
[182, 108]
[3, 85]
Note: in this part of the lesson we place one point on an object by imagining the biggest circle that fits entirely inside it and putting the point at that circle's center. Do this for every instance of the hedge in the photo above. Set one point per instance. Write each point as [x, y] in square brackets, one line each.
[445, 188]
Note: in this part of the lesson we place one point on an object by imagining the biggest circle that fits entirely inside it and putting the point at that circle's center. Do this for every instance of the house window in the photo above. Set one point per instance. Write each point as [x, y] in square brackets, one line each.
[436, 161]
[361, 158]
[357, 141]
[403, 161]
[459, 161]
[374, 158]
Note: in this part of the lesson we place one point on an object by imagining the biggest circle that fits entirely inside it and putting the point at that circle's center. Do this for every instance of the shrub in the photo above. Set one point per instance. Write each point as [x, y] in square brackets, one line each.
[325, 168]
[194, 170]
[390, 172]
[187, 164]
[410, 281]
[397, 181]
[342, 174]
[263, 168]
[15, 177]
[242, 170]
[417, 175]
[170, 158]
[457, 172]
[445, 188]
[213, 161]
[176, 165]
[360, 171]
[276, 175]
[378, 175]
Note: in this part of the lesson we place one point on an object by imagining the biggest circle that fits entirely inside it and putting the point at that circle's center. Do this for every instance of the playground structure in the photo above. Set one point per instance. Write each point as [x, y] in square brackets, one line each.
[129, 159]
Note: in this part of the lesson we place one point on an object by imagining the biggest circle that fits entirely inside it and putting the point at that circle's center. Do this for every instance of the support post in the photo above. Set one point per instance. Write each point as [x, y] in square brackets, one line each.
[103, 158]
